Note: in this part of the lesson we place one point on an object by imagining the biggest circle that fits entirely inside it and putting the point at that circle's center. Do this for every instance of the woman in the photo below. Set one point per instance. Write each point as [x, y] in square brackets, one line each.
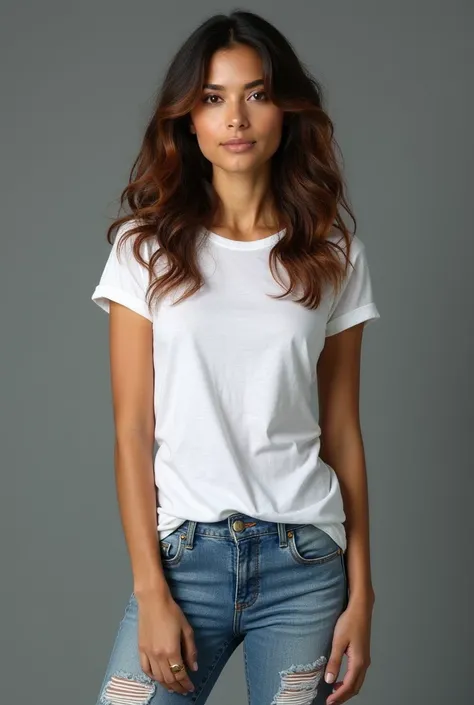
[237, 300]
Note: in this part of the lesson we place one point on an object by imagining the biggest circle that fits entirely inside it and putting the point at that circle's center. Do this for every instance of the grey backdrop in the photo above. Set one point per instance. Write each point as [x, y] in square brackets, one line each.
[77, 88]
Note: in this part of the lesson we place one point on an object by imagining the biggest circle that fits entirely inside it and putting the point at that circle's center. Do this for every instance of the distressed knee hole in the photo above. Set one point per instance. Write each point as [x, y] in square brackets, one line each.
[299, 684]
[127, 689]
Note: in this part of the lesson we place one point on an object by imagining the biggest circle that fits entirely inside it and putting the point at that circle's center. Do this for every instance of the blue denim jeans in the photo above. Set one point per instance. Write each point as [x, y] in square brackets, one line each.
[278, 588]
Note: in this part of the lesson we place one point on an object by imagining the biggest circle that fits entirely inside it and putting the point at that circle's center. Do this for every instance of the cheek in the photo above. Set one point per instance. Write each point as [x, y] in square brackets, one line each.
[208, 145]
[207, 134]
[271, 130]
[269, 122]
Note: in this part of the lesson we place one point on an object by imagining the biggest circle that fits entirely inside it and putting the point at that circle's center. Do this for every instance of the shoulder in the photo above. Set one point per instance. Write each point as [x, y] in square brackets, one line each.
[356, 244]
[126, 236]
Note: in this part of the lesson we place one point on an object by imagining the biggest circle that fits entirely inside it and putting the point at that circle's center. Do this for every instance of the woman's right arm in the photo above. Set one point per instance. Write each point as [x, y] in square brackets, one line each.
[131, 367]
[164, 634]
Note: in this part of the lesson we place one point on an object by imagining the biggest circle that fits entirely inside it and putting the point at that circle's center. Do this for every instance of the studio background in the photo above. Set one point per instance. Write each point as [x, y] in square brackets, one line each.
[78, 82]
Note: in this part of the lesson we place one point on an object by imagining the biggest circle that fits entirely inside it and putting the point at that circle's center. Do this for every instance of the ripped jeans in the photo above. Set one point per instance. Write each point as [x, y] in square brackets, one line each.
[278, 588]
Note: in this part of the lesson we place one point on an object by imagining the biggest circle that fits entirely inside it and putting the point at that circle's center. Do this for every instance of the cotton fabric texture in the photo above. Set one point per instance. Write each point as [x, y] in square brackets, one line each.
[235, 390]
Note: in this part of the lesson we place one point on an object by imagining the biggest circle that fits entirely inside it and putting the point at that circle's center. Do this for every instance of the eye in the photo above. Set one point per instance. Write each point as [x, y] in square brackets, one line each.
[213, 95]
[260, 93]
[209, 95]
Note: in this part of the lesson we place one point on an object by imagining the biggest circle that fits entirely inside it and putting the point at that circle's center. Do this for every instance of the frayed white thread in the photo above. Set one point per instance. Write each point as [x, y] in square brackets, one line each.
[299, 684]
[123, 688]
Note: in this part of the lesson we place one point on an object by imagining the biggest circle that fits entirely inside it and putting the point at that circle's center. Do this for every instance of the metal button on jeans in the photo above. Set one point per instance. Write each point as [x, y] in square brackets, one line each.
[238, 525]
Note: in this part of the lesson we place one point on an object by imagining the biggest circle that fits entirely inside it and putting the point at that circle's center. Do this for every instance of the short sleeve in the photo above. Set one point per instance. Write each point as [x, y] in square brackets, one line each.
[123, 278]
[354, 302]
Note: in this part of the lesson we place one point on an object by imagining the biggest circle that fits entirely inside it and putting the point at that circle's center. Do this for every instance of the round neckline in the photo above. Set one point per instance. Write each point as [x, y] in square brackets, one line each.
[259, 244]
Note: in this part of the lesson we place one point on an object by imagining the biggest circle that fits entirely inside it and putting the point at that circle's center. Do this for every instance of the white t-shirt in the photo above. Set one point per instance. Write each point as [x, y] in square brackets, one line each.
[235, 398]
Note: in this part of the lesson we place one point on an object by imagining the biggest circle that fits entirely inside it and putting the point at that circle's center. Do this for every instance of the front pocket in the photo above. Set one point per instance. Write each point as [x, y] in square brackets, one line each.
[310, 545]
[172, 547]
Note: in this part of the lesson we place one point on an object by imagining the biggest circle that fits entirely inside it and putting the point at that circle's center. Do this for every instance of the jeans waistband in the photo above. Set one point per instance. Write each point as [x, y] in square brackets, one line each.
[237, 527]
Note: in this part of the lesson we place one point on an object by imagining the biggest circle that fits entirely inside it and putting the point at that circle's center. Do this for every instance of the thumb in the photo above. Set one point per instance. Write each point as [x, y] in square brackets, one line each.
[189, 648]
[334, 664]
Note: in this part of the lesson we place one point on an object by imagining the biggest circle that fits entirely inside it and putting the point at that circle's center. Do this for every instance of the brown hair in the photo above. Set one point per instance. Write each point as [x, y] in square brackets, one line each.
[170, 191]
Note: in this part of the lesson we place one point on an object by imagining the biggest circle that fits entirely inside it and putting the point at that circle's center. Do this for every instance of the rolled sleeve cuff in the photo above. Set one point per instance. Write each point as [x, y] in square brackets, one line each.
[366, 313]
[103, 294]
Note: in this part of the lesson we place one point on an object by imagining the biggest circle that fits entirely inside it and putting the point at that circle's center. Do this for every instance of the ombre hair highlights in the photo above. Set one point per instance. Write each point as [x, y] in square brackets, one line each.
[170, 192]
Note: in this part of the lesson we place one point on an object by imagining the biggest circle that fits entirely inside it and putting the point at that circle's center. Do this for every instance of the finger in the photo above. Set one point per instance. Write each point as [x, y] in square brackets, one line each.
[156, 671]
[333, 666]
[145, 665]
[179, 681]
[345, 689]
[360, 681]
[189, 648]
[332, 699]
[169, 681]
[184, 681]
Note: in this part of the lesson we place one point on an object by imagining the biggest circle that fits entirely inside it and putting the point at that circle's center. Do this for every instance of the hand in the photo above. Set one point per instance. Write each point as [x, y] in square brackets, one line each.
[162, 627]
[352, 637]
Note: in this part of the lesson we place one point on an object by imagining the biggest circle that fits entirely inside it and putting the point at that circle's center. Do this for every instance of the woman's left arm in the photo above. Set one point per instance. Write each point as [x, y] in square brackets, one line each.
[342, 448]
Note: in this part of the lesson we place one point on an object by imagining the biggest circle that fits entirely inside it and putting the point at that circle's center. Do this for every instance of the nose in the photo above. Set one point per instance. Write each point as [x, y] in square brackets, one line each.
[237, 117]
[239, 123]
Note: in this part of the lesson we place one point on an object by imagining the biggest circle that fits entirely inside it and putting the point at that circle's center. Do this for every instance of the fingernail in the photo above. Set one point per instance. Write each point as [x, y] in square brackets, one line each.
[329, 677]
[195, 666]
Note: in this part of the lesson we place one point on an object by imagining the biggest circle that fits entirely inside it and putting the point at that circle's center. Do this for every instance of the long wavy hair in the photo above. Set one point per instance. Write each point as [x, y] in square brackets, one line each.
[170, 193]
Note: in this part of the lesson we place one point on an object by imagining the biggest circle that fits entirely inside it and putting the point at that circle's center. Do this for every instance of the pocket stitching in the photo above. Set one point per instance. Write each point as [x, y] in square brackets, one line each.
[166, 546]
[176, 558]
[301, 559]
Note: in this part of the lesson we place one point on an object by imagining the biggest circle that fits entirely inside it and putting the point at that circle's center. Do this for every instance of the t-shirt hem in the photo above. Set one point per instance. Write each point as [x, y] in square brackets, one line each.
[104, 293]
[366, 313]
[336, 531]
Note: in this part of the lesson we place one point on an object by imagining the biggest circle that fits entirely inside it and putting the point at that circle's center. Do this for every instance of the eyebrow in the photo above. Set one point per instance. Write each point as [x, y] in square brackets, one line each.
[218, 87]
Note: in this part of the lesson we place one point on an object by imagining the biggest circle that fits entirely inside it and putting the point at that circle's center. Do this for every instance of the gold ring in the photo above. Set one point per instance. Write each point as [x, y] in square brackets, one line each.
[176, 667]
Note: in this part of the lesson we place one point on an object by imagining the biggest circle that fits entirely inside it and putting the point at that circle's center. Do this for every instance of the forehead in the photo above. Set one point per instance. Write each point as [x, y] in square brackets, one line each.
[234, 67]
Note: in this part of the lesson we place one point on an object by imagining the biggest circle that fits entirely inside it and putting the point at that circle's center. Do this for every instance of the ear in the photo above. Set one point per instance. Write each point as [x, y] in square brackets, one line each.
[192, 129]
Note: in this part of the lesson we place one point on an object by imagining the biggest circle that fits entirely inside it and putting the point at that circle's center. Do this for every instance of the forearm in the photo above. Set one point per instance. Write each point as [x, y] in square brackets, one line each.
[345, 453]
[137, 503]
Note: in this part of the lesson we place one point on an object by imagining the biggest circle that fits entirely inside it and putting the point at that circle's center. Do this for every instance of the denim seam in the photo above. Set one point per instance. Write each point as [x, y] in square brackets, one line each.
[242, 606]
[212, 667]
[247, 674]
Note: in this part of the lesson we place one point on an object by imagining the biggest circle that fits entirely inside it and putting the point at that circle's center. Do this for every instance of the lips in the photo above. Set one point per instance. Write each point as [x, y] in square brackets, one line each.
[239, 142]
[238, 147]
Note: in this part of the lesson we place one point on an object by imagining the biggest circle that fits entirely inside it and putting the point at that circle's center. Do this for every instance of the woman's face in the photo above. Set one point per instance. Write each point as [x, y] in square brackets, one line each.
[236, 110]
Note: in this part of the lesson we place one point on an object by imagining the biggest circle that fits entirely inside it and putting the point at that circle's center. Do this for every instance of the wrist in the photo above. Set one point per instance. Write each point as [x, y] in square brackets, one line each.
[362, 597]
[157, 588]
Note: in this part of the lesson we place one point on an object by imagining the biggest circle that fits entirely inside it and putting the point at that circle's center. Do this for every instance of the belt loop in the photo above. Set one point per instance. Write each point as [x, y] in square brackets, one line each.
[282, 534]
[190, 534]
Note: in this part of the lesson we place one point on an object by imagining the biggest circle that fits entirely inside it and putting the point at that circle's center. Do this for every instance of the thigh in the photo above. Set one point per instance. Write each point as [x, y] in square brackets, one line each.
[289, 628]
[202, 596]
